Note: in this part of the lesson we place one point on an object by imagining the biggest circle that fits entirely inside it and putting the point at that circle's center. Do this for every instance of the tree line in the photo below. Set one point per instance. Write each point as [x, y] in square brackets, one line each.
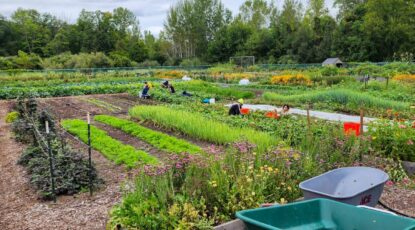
[204, 31]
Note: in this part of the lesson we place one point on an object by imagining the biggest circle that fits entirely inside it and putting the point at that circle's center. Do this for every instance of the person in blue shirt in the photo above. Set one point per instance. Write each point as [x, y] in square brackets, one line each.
[146, 89]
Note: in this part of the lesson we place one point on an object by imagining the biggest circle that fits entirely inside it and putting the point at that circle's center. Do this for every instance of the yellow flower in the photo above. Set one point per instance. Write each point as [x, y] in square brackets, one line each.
[283, 201]
[270, 169]
[289, 188]
[253, 193]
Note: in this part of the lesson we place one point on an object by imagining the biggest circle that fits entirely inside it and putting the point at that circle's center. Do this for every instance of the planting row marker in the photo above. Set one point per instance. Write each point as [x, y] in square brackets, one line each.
[52, 176]
[89, 154]
[361, 120]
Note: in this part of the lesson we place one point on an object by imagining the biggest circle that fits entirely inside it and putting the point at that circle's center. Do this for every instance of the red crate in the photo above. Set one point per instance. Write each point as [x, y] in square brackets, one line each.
[352, 128]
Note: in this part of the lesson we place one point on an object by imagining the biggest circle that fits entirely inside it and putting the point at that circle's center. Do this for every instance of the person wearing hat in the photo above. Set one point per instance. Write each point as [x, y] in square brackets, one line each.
[236, 108]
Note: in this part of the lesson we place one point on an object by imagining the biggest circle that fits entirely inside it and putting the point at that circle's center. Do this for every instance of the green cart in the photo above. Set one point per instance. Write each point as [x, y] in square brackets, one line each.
[322, 214]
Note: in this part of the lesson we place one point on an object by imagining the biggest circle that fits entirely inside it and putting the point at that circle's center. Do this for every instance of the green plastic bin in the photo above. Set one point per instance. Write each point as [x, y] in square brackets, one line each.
[322, 214]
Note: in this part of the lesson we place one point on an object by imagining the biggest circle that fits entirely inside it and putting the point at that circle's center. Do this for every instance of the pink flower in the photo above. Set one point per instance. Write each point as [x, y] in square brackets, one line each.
[402, 126]
[410, 142]
[389, 183]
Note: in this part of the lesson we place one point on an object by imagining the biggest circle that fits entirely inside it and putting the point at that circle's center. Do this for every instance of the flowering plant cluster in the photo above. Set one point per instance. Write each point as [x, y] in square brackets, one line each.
[291, 79]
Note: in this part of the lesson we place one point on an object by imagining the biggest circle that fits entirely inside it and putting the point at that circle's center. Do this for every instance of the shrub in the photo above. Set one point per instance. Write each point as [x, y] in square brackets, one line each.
[393, 139]
[71, 168]
[191, 62]
[330, 71]
[12, 117]
[120, 60]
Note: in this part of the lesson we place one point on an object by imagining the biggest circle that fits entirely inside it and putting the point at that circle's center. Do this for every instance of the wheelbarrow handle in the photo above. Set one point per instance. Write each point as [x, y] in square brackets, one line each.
[377, 209]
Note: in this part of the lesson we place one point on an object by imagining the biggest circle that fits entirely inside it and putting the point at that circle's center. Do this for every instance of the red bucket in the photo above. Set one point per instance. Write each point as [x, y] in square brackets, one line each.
[352, 128]
[272, 115]
[245, 111]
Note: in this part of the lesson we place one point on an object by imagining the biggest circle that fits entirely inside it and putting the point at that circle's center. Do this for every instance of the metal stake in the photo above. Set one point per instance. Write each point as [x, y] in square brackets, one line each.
[52, 174]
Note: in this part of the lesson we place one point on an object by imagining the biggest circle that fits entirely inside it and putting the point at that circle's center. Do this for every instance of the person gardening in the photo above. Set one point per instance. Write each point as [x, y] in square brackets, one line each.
[285, 109]
[165, 84]
[186, 94]
[171, 88]
[146, 89]
[236, 108]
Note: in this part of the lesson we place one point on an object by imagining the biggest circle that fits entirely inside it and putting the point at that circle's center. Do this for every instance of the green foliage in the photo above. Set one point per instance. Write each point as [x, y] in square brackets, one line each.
[157, 139]
[71, 168]
[12, 117]
[199, 127]
[71, 174]
[191, 62]
[393, 139]
[347, 98]
[111, 148]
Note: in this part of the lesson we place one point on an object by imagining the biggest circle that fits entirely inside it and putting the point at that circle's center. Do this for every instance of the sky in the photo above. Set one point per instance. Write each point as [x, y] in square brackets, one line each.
[150, 13]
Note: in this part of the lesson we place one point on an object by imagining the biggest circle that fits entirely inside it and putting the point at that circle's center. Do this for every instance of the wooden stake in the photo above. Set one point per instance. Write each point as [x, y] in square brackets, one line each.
[89, 154]
[361, 121]
[308, 117]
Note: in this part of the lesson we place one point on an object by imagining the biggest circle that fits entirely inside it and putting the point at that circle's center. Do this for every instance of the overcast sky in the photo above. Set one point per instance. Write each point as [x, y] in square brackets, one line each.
[151, 13]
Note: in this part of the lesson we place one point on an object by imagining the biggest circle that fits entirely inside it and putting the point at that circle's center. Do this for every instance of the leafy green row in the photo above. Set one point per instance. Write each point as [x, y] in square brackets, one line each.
[109, 147]
[157, 139]
[195, 125]
[60, 90]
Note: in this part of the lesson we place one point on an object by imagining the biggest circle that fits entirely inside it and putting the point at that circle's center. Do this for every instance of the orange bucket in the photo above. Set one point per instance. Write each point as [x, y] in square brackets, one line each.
[272, 115]
[352, 128]
[245, 111]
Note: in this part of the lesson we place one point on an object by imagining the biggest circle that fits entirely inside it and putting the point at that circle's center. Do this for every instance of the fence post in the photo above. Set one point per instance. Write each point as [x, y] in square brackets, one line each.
[308, 117]
[361, 121]
[52, 174]
[89, 154]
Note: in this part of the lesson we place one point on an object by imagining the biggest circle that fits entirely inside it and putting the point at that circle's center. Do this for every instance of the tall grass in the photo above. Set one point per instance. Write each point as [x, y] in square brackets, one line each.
[111, 148]
[197, 126]
[157, 139]
[337, 96]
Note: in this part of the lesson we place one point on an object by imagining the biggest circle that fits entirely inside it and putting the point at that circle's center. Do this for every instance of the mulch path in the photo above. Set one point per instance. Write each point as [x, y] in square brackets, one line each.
[20, 207]
[399, 199]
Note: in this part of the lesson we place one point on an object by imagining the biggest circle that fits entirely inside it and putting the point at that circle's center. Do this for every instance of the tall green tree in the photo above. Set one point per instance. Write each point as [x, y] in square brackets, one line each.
[192, 24]
[390, 25]
[257, 13]
[32, 32]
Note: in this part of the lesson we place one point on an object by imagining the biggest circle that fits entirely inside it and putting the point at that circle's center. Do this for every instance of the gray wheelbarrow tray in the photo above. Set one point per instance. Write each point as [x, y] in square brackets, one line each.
[351, 185]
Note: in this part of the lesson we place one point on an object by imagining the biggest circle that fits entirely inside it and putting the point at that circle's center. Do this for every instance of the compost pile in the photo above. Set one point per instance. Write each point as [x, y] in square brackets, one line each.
[71, 170]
